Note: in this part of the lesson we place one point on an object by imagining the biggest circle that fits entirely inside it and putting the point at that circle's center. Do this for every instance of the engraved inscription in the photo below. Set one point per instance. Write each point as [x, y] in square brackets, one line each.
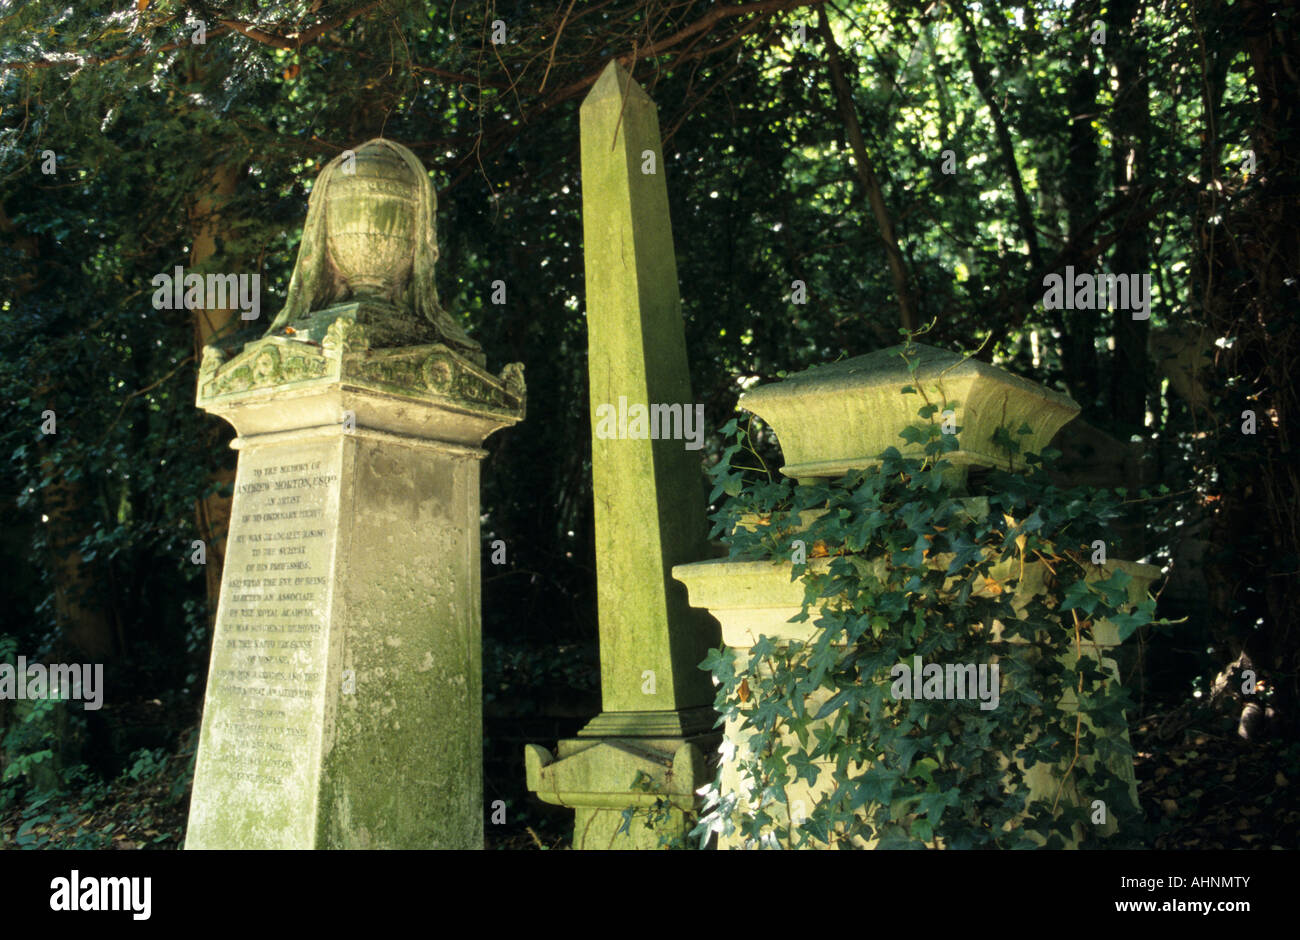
[266, 683]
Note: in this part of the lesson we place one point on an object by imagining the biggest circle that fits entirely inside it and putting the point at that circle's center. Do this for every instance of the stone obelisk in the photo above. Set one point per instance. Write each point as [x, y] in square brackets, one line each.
[657, 714]
[344, 705]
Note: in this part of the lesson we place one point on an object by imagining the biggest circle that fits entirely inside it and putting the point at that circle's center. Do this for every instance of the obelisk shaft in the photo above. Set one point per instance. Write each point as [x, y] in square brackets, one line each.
[649, 500]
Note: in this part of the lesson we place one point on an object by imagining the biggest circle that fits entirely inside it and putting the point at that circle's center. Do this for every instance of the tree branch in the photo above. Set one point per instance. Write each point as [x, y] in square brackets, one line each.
[297, 41]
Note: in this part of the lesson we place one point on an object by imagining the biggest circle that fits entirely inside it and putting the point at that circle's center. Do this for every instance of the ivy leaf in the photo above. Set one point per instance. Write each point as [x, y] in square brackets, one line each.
[835, 704]
[934, 802]
[1078, 596]
[1128, 623]
[804, 768]
[964, 552]
[1115, 588]
[875, 786]
[925, 768]
[904, 750]
[922, 830]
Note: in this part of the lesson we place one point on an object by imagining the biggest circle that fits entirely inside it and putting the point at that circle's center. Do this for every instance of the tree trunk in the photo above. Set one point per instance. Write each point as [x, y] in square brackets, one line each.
[1250, 251]
[1130, 130]
[85, 627]
[979, 71]
[867, 174]
[207, 222]
[1081, 195]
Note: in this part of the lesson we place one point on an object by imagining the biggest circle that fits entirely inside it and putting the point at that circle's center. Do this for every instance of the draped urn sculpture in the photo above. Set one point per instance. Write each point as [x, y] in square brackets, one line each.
[370, 222]
[363, 283]
[371, 240]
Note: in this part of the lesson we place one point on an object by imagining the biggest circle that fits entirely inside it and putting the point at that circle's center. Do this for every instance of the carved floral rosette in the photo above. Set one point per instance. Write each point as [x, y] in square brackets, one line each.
[436, 371]
[271, 363]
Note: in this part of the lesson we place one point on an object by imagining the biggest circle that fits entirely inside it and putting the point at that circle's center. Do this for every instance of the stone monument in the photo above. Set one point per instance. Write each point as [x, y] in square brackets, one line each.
[343, 705]
[841, 416]
[657, 717]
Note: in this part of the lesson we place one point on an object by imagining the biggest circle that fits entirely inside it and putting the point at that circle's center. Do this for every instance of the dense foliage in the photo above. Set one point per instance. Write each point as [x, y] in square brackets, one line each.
[906, 162]
[908, 572]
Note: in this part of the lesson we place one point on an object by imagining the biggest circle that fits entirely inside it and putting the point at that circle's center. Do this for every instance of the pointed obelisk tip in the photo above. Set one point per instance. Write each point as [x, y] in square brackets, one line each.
[614, 83]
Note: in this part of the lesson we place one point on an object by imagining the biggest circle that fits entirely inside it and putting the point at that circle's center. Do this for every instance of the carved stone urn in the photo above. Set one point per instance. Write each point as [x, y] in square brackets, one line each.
[368, 253]
[370, 218]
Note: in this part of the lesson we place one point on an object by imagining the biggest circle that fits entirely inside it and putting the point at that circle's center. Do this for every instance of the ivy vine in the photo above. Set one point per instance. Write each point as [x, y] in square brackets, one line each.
[897, 564]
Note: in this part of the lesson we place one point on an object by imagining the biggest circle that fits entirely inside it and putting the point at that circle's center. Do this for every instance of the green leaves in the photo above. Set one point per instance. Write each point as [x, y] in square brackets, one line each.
[836, 702]
[910, 578]
[1128, 622]
[925, 768]
[1080, 596]
[1115, 588]
[913, 435]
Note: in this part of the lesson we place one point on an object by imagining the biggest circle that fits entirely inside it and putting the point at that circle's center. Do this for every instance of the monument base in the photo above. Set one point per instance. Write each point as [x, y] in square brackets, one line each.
[600, 778]
[343, 705]
[678, 723]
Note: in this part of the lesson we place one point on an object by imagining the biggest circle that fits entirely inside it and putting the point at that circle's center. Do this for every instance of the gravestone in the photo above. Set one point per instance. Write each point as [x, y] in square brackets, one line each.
[657, 710]
[838, 417]
[343, 705]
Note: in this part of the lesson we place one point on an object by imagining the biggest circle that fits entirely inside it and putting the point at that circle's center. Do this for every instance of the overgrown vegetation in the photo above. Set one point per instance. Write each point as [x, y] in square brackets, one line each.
[912, 568]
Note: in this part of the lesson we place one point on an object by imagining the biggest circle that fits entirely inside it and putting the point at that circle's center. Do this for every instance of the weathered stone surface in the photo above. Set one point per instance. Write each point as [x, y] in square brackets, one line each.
[592, 780]
[371, 236]
[344, 705]
[841, 416]
[341, 374]
[649, 506]
[649, 497]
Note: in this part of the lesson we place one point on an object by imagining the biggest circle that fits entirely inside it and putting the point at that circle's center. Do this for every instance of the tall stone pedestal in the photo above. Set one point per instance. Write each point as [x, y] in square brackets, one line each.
[344, 705]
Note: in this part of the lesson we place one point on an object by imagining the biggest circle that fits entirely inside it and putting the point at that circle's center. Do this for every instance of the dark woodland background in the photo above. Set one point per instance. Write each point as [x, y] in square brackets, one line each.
[803, 140]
